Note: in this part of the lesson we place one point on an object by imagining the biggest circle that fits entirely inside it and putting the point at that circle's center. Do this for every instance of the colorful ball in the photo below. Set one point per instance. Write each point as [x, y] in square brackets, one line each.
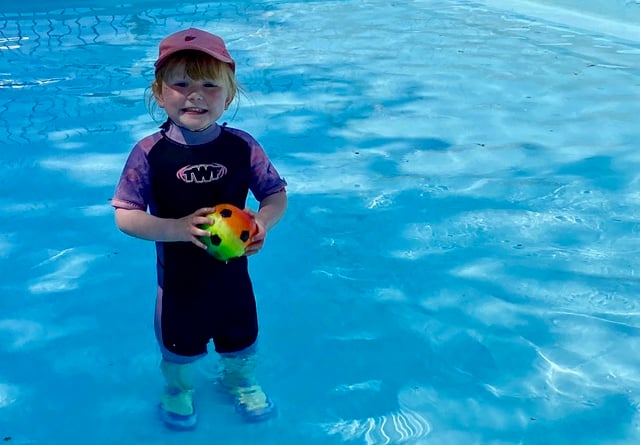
[231, 231]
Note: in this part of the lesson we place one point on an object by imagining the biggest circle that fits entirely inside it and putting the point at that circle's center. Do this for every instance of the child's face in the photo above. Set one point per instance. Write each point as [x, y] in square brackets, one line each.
[192, 104]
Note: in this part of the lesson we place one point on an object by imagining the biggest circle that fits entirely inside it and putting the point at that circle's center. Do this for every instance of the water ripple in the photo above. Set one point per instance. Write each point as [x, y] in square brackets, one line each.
[400, 427]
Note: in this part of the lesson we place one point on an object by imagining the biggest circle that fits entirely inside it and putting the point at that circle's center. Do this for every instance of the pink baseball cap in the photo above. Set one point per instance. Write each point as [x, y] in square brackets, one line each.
[197, 40]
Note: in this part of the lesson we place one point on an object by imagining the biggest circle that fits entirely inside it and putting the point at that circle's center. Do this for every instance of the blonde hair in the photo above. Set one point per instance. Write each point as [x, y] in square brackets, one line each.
[197, 65]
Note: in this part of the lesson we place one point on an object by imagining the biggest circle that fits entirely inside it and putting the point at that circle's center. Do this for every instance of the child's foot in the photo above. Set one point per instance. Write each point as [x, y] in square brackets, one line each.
[177, 410]
[253, 404]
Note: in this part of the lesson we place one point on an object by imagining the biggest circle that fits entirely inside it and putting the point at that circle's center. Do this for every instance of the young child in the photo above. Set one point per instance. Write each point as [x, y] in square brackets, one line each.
[170, 182]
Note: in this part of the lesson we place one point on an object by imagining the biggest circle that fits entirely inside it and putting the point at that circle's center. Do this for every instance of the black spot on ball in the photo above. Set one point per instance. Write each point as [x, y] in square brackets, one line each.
[216, 240]
[226, 213]
[244, 236]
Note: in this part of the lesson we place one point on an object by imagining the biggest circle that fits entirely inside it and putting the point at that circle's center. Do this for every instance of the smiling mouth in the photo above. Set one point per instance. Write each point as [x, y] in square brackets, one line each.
[194, 110]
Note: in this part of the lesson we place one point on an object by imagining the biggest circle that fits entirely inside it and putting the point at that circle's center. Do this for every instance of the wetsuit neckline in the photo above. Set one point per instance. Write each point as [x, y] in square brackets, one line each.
[187, 137]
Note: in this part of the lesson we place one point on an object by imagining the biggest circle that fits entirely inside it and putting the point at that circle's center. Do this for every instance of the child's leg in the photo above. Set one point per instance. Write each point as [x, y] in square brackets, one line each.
[177, 330]
[238, 377]
[238, 370]
[176, 405]
[178, 397]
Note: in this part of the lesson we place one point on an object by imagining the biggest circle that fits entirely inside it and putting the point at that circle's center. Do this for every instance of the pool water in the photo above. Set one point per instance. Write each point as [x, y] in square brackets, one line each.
[458, 264]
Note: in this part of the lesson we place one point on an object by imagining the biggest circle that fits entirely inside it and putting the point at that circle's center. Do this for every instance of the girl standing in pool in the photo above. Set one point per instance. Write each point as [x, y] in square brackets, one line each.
[170, 182]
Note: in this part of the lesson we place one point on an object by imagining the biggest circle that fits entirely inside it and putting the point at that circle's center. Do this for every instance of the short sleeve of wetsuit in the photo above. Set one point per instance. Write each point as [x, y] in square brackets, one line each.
[134, 186]
[265, 179]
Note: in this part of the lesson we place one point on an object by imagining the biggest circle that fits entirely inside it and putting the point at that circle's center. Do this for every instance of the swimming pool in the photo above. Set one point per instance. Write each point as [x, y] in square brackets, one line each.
[458, 263]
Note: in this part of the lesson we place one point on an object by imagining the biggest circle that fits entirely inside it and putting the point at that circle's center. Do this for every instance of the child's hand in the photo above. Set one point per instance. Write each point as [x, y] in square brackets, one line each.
[257, 241]
[188, 227]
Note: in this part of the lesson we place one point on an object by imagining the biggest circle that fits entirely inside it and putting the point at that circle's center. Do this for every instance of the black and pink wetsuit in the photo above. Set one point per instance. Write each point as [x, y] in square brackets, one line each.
[172, 173]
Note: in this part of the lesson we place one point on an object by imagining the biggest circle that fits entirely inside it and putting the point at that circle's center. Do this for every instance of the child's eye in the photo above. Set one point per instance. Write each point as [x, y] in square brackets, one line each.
[210, 84]
[179, 83]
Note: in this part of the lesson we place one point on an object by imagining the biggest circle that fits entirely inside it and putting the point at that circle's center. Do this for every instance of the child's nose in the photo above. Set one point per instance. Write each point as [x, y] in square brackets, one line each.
[194, 92]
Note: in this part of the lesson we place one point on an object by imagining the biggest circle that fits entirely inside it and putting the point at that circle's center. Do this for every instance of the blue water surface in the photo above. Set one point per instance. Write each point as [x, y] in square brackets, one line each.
[458, 264]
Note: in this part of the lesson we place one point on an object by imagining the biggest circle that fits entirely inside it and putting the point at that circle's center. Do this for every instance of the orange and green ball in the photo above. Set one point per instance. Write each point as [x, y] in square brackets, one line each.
[231, 231]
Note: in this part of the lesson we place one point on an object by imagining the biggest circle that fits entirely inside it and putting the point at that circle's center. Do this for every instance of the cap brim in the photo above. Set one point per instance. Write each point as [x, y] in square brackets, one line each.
[213, 54]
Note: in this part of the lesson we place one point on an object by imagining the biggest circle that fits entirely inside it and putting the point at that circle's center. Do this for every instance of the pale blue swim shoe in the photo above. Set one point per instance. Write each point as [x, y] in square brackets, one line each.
[253, 404]
[177, 411]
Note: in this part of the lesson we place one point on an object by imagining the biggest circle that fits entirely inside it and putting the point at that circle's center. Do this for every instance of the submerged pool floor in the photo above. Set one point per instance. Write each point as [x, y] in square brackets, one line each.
[458, 264]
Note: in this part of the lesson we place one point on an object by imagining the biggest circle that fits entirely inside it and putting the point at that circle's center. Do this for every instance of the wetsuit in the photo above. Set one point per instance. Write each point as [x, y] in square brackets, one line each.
[172, 173]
